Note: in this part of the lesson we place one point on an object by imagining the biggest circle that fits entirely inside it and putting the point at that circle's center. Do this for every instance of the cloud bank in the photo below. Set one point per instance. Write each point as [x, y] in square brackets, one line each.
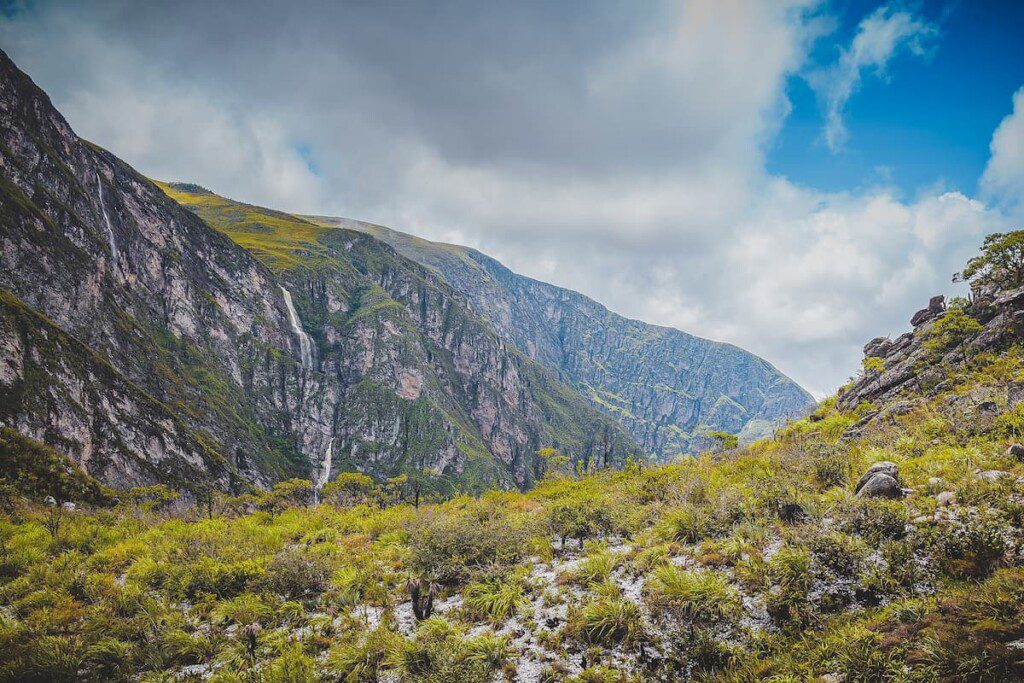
[618, 153]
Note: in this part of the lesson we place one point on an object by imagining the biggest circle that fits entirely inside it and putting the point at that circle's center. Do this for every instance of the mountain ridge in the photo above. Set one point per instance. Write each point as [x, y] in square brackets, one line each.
[647, 419]
[408, 378]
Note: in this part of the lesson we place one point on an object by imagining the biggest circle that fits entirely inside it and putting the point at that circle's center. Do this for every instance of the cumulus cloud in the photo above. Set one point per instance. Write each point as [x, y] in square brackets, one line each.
[1003, 180]
[880, 36]
[616, 152]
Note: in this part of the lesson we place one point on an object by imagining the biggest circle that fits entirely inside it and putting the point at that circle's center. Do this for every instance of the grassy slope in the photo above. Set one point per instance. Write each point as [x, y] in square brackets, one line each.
[697, 561]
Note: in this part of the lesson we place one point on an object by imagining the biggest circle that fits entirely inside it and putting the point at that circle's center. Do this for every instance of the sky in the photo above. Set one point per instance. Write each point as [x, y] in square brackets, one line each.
[794, 177]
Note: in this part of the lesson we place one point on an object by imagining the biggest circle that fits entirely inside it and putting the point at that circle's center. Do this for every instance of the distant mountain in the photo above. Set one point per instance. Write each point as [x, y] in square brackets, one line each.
[666, 387]
[149, 347]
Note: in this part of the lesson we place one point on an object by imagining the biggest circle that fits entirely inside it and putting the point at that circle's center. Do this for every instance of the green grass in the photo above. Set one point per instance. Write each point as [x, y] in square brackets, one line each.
[729, 588]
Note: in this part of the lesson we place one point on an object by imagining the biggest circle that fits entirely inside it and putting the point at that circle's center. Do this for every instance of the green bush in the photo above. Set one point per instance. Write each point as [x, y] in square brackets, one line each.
[973, 546]
[693, 594]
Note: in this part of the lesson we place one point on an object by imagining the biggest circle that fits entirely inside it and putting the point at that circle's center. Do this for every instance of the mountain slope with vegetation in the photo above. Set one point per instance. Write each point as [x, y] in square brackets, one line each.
[667, 388]
[879, 538]
[150, 348]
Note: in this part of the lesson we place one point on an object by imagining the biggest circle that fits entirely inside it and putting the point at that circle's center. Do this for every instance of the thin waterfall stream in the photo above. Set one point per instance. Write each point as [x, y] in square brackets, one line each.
[305, 344]
[325, 469]
[106, 219]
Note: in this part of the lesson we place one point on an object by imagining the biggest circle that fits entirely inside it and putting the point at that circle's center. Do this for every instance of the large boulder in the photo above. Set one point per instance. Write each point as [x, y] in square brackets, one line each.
[878, 347]
[881, 485]
[883, 467]
[936, 305]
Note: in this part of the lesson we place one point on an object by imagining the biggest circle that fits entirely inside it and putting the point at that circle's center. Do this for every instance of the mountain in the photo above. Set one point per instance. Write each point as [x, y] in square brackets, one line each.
[667, 388]
[149, 347]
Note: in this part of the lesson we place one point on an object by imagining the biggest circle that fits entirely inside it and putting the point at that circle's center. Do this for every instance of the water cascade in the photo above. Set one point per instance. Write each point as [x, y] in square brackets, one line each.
[305, 345]
[325, 469]
[106, 219]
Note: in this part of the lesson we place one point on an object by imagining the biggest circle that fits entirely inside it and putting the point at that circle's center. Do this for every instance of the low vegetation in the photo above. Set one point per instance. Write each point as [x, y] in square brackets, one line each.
[748, 563]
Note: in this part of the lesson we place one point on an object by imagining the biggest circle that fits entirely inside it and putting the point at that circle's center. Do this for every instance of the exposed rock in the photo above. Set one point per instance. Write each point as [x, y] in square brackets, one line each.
[660, 384]
[884, 467]
[945, 499]
[993, 476]
[117, 306]
[1016, 450]
[880, 485]
[936, 305]
[50, 501]
[877, 347]
[68, 505]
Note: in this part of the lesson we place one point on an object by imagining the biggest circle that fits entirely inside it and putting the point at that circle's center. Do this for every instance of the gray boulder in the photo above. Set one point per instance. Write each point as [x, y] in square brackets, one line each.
[945, 499]
[992, 476]
[884, 467]
[881, 485]
[1016, 451]
[50, 500]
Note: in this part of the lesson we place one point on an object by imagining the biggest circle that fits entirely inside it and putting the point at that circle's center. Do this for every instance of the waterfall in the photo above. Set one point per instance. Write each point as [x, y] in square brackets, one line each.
[305, 345]
[106, 219]
[325, 469]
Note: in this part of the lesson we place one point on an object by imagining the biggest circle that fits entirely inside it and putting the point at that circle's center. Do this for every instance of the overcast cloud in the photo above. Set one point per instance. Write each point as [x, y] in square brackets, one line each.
[584, 144]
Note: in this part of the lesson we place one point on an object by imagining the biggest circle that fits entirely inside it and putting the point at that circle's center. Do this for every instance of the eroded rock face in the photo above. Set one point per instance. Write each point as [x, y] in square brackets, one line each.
[909, 368]
[149, 347]
[665, 387]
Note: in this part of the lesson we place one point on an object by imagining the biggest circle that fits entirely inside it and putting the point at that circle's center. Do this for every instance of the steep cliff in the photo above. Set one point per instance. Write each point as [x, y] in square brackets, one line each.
[149, 347]
[666, 387]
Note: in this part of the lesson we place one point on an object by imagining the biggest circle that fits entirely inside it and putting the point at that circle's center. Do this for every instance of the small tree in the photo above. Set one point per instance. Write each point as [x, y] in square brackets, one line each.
[724, 440]
[555, 464]
[952, 329]
[1001, 263]
[348, 488]
[286, 494]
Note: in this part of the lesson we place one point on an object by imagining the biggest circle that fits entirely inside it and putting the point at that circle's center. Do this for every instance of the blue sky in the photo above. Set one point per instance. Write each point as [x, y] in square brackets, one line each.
[795, 177]
[927, 120]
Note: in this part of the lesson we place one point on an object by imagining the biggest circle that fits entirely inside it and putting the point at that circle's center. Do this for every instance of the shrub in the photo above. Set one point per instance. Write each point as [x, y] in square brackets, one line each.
[789, 570]
[874, 520]
[693, 594]
[448, 548]
[972, 547]
[607, 620]
[442, 653]
[839, 553]
[296, 573]
[683, 525]
[362, 661]
[595, 568]
[578, 517]
[496, 598]
[348, 488]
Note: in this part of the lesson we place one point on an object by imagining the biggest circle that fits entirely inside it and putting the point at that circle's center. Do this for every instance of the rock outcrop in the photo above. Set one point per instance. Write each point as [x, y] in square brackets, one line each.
[912, 370]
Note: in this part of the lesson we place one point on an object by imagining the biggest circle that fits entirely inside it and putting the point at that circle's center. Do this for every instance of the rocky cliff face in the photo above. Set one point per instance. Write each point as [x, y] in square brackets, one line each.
[904, 373]
[149, 347]
[666, 387]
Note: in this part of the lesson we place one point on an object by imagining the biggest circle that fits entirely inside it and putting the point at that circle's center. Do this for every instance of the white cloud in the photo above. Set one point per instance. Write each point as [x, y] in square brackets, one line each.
[1003, 180]
[880, 36]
